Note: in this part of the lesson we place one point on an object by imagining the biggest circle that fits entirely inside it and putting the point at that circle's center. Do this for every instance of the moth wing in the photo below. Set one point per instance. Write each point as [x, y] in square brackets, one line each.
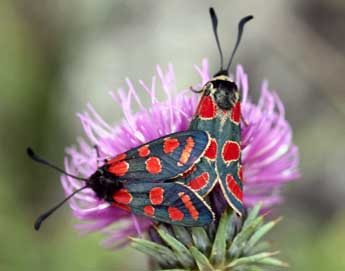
[172, 203]
[232, 187]
[161, 159]
[229, 167]
[201, 178]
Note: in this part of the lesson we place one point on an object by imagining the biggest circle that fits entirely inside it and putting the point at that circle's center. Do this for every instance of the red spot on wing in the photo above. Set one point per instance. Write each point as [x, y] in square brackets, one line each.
[117, 158]
[234, 188]
[206, 108]
[199, 182]
[153, 165]
[149, 210]
[175, 214]
[170, 145]
[240, 173]
[186, 151]
[189, 205]
[156, 195]
[122, 196]
[144, 151]
[231, 151]
[123, 207]
[119, 168]
[236, 113]
[211, 152]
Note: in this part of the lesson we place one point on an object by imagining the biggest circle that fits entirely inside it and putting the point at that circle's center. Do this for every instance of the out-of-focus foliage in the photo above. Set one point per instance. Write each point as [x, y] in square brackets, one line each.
[58, 55]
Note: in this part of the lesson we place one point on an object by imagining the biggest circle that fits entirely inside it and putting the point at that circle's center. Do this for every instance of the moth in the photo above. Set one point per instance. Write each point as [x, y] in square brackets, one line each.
[143, 180]
[219, 113]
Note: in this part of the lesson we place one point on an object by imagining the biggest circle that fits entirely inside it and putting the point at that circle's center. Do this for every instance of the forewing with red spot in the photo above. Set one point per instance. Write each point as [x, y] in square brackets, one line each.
[222, 160]
[172, 203]
[161, 159]
[229, 160]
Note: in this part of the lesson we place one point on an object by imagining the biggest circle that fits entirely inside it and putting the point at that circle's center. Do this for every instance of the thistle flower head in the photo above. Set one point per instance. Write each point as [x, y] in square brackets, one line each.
[269, 157]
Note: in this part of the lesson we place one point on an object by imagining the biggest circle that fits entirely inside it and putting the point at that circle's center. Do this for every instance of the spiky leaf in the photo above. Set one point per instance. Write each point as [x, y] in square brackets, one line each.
[181, 252]
[201, 260]
[200, 239]
[217, 256]
[229, 244]
[162, 254]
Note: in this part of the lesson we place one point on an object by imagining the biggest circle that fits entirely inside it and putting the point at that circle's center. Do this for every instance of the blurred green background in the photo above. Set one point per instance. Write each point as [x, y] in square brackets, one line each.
[55, 56]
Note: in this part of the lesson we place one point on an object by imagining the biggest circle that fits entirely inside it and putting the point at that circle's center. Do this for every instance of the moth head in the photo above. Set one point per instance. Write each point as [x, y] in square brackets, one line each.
[224, 91]
[103, 184]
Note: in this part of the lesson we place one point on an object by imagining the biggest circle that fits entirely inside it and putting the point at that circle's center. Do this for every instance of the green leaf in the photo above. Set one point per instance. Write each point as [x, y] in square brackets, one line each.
[162, 254]
[258, 234]
[200, 239]
[233, 228]
[201, 260]
[254, 268]
[261, 258]
[183, 235]
[182, 253]
[218, 251]
[260, 247]
[253, 214]
[242, 237]
[274, 262]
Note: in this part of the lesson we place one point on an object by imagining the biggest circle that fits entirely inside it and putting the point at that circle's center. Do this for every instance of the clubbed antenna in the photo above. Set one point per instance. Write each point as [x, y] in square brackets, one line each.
[40, 160]
[45, 215]
[241, 24]
[214, 21]
[239, 36]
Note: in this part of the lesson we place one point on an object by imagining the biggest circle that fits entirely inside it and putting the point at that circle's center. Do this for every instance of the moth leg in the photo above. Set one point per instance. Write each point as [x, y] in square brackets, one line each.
[98, 155]
[97, 150]
[195, 90]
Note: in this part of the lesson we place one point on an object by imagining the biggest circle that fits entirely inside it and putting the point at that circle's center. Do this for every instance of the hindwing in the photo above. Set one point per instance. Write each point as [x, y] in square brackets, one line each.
[229, 162]
[172, 203]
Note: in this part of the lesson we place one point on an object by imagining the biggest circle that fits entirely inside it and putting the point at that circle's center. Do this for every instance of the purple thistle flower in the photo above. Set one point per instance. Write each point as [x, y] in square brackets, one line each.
[269, 157]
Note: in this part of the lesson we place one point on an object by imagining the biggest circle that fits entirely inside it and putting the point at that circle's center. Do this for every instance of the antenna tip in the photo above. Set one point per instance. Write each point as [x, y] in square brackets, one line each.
[30, 152]
[213, 13]
[37, 224]
[246, 19]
